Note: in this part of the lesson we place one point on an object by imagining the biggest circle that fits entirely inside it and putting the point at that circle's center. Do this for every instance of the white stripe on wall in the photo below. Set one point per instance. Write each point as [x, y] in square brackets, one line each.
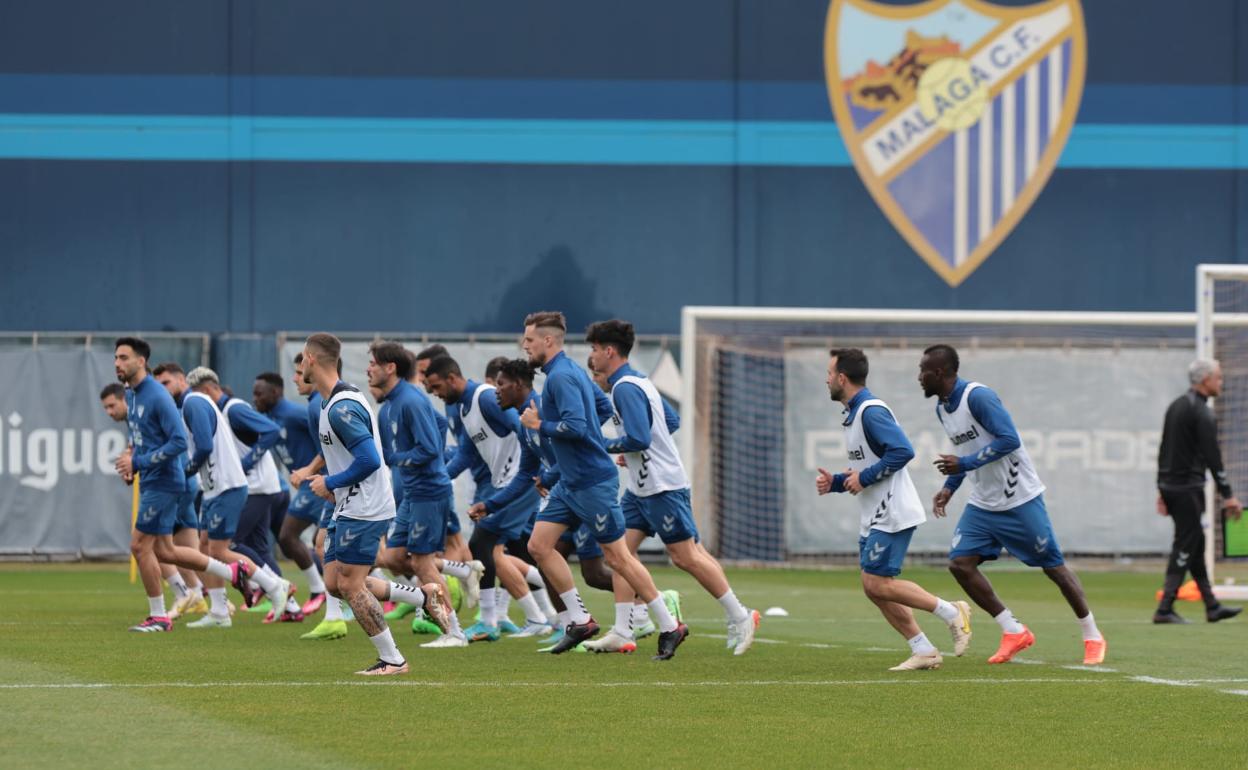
[961, 192]
[1007, 147]
[1031, 126]
[985, 174]
[1055, 94]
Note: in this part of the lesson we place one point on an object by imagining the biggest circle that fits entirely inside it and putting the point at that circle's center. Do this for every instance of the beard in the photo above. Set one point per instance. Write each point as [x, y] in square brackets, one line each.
[836, 393]
[537, 359]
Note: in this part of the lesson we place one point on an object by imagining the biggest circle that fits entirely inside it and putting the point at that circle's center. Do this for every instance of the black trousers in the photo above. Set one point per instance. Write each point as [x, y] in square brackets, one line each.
[1187, 554]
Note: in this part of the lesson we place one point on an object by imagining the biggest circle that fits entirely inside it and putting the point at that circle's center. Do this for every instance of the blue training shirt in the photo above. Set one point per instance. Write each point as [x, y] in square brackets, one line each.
[569, 421]
[412, 445]
[635, 416]
[192, 480]
[476, 466]
[201, 420]
[502, 421]
[987, 409]
[296, 444]
[157, 437]
[885, 438]
[352, 424]
[531, 461]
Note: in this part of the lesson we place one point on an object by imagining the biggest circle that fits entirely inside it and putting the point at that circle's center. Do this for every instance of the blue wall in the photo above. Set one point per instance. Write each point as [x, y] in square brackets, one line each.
[250, 167]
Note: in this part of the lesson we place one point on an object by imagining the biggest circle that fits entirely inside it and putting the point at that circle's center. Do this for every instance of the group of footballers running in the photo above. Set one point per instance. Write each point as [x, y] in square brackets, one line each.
[377, 487]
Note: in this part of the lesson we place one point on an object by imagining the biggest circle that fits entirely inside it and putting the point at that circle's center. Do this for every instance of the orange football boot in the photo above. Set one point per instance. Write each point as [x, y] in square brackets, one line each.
[1094, 651]
[1013, 644]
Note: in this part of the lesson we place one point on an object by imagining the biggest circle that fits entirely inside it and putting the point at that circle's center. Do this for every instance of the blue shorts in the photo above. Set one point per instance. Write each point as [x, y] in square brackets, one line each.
[305, 505]
[881, 553]
[597, 507]
[509, 523]
[352, 541]
[586, 546]
[427, 529]
[188, 517]
[327, 514]
[668, 514]
[1025, 531]
[329, 542]
[157, 511]
[220, 514]
[400, 525]
[453, 526]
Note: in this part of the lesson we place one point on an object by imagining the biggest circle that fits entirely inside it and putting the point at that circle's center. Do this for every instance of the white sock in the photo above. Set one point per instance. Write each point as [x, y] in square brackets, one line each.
[156, 606]
[919, 645]
[316, 584]
[217, 569]
[502, 603]
[386, 650]
[532, 611]
[405, 580]
[661, 616]
[623, 619]
[733, 607]
[1090, 631]
[945, 611]
[576, 607]
[265, 579]
[488, 617]
[292, 606]
[219, 608]
[456, 569]
[178, 585]
[402, 593]
[333, 608]
[542, 597]
[641, 616]
[534, 577]
[454, 629]
[562, 619]
[1009, 624]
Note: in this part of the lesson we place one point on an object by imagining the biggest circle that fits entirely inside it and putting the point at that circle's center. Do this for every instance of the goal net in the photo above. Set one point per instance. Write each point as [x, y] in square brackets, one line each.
[1087, 392]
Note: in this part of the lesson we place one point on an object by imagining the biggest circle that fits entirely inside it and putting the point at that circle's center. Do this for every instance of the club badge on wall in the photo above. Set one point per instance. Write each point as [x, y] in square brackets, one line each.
[955, 113]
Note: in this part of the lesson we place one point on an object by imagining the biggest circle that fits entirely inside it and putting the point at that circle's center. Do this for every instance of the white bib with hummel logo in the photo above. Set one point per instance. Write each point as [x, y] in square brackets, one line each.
[1000, 485]
[892, 503]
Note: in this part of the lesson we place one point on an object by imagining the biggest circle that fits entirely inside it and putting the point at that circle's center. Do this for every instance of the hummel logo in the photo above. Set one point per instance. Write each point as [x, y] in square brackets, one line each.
[957, 538]
[876, 552]
[668, 523]
[600, 522]
[348, 536]
[1041, 544]
[149, 514]
[215, 522]
[344, 414]
[419, 530]
[580, 537]
[394, 427]
[141, 409]
[1181, 561]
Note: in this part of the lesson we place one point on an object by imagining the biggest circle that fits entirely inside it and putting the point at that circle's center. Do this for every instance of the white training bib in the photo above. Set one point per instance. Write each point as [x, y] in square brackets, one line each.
[501, 454]
[262, 479]
[657, 469]
[892, 503]
[373, 498]
[222, 471]
[1000, 485]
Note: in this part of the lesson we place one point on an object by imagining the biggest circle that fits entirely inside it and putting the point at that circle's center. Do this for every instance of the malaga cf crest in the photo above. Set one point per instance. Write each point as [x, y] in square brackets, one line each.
[955, 112]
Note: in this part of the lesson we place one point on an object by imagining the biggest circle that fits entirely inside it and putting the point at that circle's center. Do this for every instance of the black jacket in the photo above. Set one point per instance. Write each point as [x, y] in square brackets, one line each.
[1189, 446]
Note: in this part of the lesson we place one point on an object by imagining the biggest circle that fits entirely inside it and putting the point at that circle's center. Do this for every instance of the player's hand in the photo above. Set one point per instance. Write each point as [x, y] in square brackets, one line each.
[1232, 509]
[530, 418]
[319, 489]
[541, 490]
[300, 475]
[128, 478]
[852, 483]
[620, 461]
[823, 482]
[1161, 506]
[477, 512]
[948, 465]
[939, 501]
[124, 464]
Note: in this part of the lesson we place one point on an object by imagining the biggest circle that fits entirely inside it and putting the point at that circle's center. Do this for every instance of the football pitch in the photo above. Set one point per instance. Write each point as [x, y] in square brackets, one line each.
[79, 689]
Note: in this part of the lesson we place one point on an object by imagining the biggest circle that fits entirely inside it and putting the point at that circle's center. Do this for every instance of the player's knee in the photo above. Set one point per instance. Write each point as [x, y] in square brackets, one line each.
[962, 568]
[686, 558]
[164, 551]
[596, 575]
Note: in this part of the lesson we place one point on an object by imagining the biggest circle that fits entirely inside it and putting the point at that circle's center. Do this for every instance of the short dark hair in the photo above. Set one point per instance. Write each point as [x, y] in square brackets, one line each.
[388, 352]
[542, 319]
[272, 378]
[494, 366]
[852, 363]
[947, 356]
[113, 389]
[443, 366]
[517, 369]
[299, 358]
[411, 363]
[139, 346]
[326, 345]
[433, 351]
[168, 366]
[615, 333]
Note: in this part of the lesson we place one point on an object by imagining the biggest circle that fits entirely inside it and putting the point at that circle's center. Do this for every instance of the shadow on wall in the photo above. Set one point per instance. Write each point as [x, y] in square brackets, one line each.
[556, 282]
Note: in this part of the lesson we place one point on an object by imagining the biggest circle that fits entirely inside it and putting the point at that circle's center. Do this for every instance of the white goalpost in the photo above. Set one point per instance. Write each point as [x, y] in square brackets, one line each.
[1087, 391]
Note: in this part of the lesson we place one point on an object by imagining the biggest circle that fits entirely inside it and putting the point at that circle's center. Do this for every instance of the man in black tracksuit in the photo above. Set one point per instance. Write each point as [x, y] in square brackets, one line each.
[1189, 447]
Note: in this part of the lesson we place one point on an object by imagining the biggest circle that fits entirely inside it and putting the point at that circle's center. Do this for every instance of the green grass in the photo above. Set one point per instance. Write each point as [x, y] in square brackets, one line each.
[819, 694]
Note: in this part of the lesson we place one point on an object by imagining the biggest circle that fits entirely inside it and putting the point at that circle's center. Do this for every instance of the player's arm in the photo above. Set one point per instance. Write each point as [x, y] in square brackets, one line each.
[503, 422]
[349, 420]
[465, 454]
[530, 467]
[602, 405]
[988, 411]
[573, 423]
[1207, 446]
[670, 416]
[175, 442]
[887, 441]
[244, 419]
[422, 429]
[634, 409]
[199, 419]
